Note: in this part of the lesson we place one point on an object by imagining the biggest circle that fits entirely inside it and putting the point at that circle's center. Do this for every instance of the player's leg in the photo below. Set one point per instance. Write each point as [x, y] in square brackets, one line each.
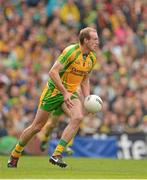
[76, 115]
[50, 125]
[39, 121]
[47, 130]
[68, 149]
[58, 112]
[47, 104]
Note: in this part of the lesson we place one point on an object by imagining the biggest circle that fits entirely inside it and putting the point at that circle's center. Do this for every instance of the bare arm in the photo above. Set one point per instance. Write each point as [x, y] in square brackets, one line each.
[85, 86]
[54, 75]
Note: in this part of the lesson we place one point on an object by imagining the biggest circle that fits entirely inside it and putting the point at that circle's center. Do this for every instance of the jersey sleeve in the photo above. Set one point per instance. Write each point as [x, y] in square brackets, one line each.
[64, 57]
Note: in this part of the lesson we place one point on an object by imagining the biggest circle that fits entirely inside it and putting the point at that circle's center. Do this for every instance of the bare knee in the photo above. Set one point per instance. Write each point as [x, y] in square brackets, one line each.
[39, 121]
[35, 128]
[77, 120]
[80, 118]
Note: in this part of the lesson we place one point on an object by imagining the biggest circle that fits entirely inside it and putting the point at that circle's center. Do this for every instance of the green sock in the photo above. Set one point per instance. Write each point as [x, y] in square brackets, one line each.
[60, 147]
[18, 150]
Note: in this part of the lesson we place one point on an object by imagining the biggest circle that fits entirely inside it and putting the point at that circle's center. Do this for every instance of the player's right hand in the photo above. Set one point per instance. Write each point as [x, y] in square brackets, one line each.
[67, 99]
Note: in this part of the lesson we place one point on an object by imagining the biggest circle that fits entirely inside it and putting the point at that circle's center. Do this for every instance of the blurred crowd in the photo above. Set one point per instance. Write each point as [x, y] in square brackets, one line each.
[34, 32]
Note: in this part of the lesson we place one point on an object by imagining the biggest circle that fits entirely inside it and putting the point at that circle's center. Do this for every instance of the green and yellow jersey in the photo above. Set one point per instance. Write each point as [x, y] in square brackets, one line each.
[75, 67]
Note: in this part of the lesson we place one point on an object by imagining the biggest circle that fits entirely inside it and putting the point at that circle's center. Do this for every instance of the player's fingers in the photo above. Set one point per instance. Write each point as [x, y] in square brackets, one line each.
[69, 103]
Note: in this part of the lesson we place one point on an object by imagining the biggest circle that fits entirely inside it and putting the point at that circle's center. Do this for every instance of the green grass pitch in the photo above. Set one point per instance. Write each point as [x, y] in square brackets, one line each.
[37, 167]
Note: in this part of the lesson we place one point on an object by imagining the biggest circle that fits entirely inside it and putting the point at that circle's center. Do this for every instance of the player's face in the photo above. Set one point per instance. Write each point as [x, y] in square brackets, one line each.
[93, 42]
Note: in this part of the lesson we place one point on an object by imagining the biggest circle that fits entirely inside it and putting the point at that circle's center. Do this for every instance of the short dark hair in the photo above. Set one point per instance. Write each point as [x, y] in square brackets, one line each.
[85, 33]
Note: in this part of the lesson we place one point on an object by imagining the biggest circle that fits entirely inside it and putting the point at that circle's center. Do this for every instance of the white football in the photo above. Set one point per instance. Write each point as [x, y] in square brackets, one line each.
[93, 103]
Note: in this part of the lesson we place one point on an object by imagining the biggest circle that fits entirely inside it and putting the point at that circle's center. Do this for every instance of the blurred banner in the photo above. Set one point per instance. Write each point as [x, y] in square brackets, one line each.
[132, 146]
[121, 146]
[90, 147]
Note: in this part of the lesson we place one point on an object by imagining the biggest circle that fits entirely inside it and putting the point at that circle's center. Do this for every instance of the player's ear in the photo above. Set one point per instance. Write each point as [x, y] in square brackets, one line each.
[85, 40]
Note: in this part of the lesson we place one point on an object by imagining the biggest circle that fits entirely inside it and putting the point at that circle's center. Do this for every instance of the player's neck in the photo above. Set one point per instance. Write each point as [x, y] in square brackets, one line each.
[84, 49]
